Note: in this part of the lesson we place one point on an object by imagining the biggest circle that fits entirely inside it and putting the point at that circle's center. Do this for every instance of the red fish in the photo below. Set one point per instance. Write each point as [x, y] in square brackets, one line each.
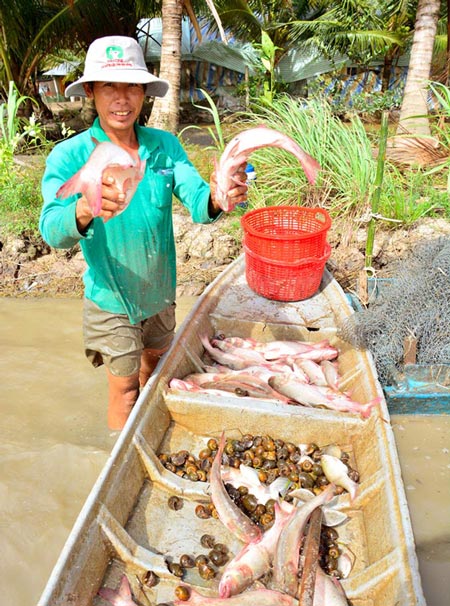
[107, 160]
[315, 395]
[242, 145]
[253, 560]
[257, 597]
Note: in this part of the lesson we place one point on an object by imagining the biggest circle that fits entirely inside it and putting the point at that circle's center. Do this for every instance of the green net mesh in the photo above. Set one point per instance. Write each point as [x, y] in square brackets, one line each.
[414, 303]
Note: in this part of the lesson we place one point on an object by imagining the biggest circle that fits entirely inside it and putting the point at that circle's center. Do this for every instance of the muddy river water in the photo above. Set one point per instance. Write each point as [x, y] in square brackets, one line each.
[54, 442]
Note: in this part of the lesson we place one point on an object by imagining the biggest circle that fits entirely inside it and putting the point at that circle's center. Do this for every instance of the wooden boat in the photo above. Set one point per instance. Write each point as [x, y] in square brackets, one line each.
[126, 525]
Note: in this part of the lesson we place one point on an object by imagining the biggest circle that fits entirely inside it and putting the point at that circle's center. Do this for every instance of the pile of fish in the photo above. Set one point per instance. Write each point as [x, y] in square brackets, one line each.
[290, 372]
[267, 570]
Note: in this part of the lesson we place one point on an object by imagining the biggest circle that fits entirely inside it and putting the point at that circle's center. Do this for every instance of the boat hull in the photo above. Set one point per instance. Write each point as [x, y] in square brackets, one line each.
[126, 525]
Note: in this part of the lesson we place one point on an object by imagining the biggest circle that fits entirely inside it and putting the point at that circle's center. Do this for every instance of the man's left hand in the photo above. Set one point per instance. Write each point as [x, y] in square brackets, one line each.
[237, 194]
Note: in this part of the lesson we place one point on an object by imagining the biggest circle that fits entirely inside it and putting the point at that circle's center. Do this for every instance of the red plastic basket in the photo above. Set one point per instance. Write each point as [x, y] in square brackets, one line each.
[286, 233]
[283, 281]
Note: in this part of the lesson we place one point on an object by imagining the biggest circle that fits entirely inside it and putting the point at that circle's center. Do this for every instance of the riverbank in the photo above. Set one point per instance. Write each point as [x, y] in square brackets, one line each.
[29, 268]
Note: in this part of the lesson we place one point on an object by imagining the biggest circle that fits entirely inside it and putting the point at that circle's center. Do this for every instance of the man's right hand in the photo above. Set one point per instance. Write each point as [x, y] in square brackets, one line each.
[113, 201]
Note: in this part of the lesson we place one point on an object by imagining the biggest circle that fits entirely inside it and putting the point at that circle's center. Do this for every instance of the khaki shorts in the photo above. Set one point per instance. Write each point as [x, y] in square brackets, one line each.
[110, 339]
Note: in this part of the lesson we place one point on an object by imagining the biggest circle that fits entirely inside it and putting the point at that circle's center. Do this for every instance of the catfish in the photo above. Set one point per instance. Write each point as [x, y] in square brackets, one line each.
[106, 160]
[242, 145]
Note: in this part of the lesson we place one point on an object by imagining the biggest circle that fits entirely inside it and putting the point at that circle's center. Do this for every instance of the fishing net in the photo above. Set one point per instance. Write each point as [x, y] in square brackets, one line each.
[415, 303]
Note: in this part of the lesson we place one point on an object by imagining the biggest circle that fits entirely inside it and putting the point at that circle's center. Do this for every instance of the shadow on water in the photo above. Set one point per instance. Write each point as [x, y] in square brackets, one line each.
[54, 442]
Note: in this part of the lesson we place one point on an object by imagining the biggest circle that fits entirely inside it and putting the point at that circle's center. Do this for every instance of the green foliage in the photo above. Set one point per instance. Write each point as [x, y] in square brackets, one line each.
[440, 129]
[216, 133]
[16, 131]
[20, 198]
[367, 103]
[20, 134]
[267, 52]
[346, 181]
[413, 194]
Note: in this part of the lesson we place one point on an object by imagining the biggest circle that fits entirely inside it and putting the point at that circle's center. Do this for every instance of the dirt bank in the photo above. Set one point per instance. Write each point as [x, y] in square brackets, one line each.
[29, 268]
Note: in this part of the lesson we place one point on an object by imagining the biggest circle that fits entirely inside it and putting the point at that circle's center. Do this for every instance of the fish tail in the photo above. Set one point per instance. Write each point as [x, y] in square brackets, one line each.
[311, 168]
[71, 187]
[366, 409]
[142, 165]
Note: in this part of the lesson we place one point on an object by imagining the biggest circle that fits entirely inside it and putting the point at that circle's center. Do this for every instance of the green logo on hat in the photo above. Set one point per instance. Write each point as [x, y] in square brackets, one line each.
[114, 52]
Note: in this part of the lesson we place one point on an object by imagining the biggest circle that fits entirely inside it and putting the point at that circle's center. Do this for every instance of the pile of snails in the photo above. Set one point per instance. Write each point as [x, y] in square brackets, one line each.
[271, 458]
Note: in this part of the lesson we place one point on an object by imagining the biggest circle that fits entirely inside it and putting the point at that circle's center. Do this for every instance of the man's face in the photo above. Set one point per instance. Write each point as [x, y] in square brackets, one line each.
[118, 104]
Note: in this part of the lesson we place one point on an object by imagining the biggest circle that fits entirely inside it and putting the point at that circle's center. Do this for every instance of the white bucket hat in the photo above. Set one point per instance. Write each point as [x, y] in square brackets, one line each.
[117, 59]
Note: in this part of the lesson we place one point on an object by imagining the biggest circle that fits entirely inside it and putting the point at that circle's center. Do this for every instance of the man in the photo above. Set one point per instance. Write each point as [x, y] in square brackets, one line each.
[130, 281]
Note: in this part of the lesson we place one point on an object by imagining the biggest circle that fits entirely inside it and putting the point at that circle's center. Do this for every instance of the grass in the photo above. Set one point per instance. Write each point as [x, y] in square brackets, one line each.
[345, 186]
[20, 197]
[345, 151]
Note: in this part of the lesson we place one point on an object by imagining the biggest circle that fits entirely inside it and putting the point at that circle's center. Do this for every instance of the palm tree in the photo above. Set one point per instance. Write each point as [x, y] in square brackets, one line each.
[166, 110]
[322, 28]
[413, 112]
[413, 143]
[28, 31]
[360, 31]
[31, 30]
[268, 26]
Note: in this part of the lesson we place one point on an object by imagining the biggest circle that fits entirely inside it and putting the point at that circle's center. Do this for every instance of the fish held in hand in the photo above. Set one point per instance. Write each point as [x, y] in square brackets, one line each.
[242, 145]
[107, 160]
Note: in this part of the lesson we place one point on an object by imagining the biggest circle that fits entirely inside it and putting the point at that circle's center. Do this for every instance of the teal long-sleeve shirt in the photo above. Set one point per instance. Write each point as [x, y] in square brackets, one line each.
[131, 258]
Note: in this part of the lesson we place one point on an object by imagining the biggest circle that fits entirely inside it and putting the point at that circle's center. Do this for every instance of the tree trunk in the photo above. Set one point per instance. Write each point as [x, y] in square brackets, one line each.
[415, 96]
[166, 110]
[88, 112]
